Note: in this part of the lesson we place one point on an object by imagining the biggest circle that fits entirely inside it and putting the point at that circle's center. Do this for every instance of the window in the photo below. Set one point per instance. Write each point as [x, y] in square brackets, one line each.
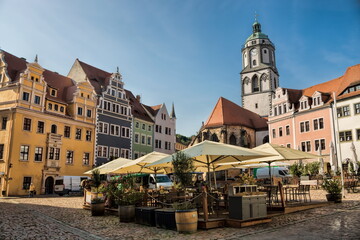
[88, 113]
[318, 123]
[50, 106]
[69, 157]
[255, 83]
[67, 131]
[51, 153]
[102, 151]
[343, 111]
[78, 134]
[40, 127]
[61, 109]
[56, 107]
[26, 183]
[112, 129]
[1, 151]
[24, 153]
[288, 145]
[307, 126]
[280, 110]
[25, 96]
[149, 141]
[357, 108]
[57, 153]
[358, 134]
[143, 126]
[37, 99]
[53, 92]
[156, 143]
[114, 152]
[306, 146]
[285, 108]
[125, 153]
[149, 128]
[27, 124]
[88, 135]
[38, 154]
[143, 139]
[280, 132]
[53, 129]
[103, 127]
[320, 143]
[86, 158]
[166, 145]
[137, 124]
[125, 132]
[136, 139]
[80, 111]
[274, 133]
[287, 129]
[136, 155]
[3, 123]
[345, 136]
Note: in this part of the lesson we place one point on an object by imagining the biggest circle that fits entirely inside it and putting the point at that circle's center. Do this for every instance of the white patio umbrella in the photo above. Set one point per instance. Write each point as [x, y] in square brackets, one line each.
[260, 165]
[355, 158]
[108, 167]
[210, 154]
[333, 161]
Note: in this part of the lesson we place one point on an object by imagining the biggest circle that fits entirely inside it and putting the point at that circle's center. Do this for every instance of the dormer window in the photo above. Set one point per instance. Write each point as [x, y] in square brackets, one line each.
[316, 101]
[53, 92]
[304, 105]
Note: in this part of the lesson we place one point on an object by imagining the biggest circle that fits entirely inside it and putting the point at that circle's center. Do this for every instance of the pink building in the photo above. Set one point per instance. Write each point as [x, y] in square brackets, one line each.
[303, 119]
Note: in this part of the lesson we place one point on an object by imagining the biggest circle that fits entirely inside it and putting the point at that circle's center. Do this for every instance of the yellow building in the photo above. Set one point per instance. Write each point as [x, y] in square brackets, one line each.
[47, 126]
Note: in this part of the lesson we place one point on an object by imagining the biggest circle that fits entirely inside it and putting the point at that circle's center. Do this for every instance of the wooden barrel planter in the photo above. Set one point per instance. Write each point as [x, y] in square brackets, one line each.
[186, 220]
[97, 209]
[127, 213]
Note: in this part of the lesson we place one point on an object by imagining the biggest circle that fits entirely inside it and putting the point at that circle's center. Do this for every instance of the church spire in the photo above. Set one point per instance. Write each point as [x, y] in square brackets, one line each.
[36, 58]
[172, 114]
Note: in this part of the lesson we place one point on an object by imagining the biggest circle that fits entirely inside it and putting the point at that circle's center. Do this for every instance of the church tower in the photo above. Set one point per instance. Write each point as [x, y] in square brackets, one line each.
[259, 76]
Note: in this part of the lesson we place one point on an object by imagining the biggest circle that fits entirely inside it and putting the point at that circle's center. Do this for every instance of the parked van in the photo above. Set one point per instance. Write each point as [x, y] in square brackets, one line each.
[261, 173]
[148, 180]
[67, 184]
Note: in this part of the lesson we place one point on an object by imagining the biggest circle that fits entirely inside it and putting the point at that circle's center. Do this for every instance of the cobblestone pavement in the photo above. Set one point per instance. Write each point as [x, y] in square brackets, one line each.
[56, 217]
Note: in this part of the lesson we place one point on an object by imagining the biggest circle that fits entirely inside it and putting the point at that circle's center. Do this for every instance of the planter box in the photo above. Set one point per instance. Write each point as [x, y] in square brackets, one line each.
[165, 218]
[145, 215]
[247, 207]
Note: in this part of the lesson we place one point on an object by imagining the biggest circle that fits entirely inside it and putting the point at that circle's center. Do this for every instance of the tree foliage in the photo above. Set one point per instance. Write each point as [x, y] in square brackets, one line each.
[183, 166]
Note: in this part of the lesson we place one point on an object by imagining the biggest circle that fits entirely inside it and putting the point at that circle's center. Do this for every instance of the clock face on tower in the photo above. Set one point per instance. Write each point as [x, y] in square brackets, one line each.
[253, 51]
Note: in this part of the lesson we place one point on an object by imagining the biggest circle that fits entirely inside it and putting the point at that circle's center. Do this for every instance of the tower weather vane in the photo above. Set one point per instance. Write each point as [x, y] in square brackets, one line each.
[256, 16]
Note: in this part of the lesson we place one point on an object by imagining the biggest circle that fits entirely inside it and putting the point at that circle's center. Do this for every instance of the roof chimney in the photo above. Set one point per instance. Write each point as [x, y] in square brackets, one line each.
[138, 97]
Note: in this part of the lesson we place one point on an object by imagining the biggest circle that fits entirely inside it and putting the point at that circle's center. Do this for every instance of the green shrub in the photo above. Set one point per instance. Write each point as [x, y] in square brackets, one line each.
[332, 186]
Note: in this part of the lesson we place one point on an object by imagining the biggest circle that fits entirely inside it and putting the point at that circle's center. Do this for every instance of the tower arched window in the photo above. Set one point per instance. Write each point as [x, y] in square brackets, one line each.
[53, 129]
[232, 139]
[254, 62]
[255, 84]
[214, 138]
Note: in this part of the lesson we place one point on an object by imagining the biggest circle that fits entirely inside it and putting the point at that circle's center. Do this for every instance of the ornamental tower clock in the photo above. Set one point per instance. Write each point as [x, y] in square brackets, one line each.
[259, 76]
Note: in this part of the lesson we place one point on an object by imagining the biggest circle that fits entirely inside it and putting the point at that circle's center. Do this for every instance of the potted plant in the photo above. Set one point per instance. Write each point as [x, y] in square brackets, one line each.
[186, 215]
[127, 198]
[333, 187]
[97, 201]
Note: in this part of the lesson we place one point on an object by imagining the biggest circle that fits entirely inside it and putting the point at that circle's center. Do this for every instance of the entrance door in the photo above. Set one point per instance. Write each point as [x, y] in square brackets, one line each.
[49, 185]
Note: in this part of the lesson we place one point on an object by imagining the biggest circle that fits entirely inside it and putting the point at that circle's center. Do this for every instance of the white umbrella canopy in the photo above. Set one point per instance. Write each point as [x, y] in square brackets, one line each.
[139, 165]
[108, 167]
[260, 165]
[208, 153]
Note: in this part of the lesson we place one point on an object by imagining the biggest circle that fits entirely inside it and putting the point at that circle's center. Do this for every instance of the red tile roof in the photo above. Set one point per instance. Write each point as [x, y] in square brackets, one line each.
[15, 65]
[98, 78]
[137, 109]
[228, 113]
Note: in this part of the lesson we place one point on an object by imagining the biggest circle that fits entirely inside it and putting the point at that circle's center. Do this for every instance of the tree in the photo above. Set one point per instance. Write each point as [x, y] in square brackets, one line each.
[183, 167]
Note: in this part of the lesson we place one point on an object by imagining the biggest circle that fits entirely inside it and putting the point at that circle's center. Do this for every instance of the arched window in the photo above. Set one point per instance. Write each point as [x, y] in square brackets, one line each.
[232, 139]
[214, 138]
[255, 84]
[254, 62]
[266, 139]
[53, 128]
[243, 138]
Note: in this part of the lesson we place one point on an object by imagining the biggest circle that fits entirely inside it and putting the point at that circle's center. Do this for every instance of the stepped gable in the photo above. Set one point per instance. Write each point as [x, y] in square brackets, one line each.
[228, 113]
[65, 86]
[99, 79]
[137, 109]
[15, 65]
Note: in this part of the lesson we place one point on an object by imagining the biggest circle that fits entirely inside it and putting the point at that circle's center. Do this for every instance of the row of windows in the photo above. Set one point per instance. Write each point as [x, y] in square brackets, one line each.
[103, 151]
[280, 109]
[318, 124]
[158, 129]
[306, 145]
[55, 107]
[143, 126]
[116, 108]
[53, 154]
[345, 110]
[145, 140]
[36, 99]
[114, 130]
[67, 129]
[346, 136]
[80, 112]
[115, 93]
[139, 154]
[316, 101]
[158, 144]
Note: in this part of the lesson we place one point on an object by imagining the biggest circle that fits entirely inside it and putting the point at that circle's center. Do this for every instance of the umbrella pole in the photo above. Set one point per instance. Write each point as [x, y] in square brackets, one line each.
[270, 172]
[214, 178]
[208, 165]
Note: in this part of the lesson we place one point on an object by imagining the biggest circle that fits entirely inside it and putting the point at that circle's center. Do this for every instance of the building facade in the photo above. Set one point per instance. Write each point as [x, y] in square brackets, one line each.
[143, 128]
[304, 119]
[259, 75]
[232, 124]
[114, 117]
[164, 128]
[48, 126]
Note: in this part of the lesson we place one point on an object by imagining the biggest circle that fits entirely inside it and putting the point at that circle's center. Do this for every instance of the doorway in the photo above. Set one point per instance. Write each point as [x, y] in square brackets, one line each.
[49, 185]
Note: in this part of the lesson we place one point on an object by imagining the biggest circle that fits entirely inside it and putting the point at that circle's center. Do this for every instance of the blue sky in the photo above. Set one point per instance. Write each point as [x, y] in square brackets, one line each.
[185, 51]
